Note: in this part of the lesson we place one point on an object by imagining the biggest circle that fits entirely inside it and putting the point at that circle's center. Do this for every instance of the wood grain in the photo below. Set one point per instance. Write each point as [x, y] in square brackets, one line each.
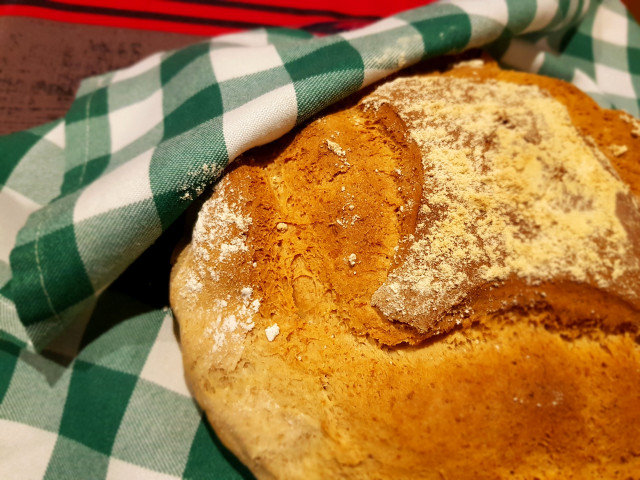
[42, 63]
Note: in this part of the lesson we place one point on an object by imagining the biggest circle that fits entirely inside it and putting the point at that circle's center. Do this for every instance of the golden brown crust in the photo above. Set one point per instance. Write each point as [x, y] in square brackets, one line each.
[342, 392]
[608, 128]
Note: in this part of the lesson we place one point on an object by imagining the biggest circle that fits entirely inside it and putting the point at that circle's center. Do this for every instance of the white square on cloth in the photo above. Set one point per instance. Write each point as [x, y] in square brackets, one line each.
[378, 27]
[249, 38]
[20, 207]
[132, 122]
[24, 450]
[164, 362]
[125, 185]
[234, 62]
[119, 470]
[261, 120]
[610, 27]
[612, 80]
[138, 68]
[498, 11]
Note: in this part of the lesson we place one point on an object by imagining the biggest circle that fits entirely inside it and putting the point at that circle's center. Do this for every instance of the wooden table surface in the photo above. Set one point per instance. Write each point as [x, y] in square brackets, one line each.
[42, 63]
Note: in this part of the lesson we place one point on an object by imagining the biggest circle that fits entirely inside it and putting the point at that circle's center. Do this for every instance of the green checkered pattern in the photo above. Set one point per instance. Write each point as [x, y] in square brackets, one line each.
[91, 206]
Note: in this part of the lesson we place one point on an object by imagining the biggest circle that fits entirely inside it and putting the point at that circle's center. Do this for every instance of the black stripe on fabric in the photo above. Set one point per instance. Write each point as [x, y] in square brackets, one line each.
[280, 9]
[118, 12]
[330, 28]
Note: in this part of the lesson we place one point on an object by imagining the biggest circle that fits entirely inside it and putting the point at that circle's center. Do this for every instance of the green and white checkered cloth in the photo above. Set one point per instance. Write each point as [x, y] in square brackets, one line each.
[83, 197]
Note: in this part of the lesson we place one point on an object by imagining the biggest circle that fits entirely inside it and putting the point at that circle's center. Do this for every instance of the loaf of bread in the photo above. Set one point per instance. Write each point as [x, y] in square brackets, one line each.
[438, 279]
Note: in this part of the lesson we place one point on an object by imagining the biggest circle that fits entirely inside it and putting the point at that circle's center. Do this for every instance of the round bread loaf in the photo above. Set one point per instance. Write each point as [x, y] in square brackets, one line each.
[439, 279]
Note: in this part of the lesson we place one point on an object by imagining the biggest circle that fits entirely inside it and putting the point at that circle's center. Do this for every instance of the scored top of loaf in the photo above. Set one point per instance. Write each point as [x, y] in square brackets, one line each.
[511, 189]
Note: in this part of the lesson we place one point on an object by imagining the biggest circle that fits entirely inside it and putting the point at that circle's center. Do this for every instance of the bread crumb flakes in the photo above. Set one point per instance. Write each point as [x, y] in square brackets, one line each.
[634, 122]
[335, 148]
[474, 63]
[272, 332]
[618, 150]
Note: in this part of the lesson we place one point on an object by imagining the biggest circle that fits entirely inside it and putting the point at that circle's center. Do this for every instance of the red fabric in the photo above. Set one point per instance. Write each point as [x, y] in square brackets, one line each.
[212, 17]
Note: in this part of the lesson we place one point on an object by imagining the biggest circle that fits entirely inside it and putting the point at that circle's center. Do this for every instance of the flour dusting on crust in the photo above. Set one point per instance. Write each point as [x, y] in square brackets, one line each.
[511, 189]
[219, 245]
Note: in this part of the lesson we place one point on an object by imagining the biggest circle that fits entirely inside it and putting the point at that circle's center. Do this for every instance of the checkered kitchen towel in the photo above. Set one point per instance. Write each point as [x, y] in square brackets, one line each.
[91, 379]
